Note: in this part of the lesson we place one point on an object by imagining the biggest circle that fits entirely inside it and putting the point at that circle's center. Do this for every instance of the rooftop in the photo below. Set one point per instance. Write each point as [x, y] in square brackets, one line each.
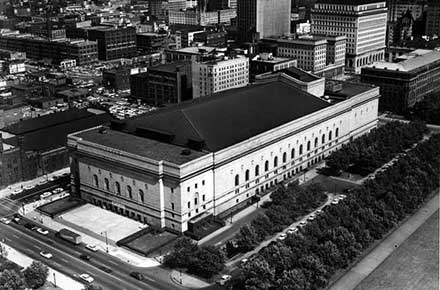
[170, 67]
[140, 146]
[300, 74]
[345, 90]
[197, 49]
[228, 117]
[420, 59]
[269, 58]
[349, 2]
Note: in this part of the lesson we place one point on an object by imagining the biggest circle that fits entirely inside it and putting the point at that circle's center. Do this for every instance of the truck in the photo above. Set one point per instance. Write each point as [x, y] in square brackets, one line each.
[70, 236]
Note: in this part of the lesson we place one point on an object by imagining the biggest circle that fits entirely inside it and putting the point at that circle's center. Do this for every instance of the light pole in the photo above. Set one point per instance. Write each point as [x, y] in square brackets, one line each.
[106, 241]
[54, 279]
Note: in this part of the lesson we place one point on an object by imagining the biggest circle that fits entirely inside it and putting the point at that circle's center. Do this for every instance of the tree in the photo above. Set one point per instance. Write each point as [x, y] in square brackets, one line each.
[35, 275]
[247, 238]
[183, 253]
[10, 280]
[293, 280]
[207, 261]
[258, 275]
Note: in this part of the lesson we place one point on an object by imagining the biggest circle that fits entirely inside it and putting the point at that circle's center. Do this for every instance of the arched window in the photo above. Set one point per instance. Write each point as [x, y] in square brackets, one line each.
[284, 157]
[141, 195]
[301, 149]
[330, 136]
[308, 145]
[129, 193]
[316, 142]
[337, 133]
[118, 188]
[95, 180]
[266, 165]
[275, 161]
[246, 175]
[292, 154]
[107, 186]
[257, 170]
[237, 180]
[323, 139]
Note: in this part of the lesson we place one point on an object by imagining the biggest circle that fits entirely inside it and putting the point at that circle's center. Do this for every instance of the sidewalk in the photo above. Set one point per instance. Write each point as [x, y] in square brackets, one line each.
[62, 280]
[7, 190]
[184, 280]
[370, 262]
[240, 217]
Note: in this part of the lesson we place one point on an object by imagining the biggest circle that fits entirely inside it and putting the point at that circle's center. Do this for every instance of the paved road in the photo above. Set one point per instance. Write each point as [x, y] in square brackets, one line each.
[66, 259]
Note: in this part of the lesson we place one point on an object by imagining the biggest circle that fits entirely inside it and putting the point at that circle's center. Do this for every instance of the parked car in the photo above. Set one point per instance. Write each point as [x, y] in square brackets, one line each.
[28, 226]
[311, 217]
[4, 220]
[92, 248]
[282, 237]
[302, 223]
[46, 194]
[223, 279]
[29, 186]
[335, 201]
[45, 254]
[292, 230]
[87, 278]
[84, 257]
[42, 231]
[16, 218]
[57, 190]
[137, 275]
[17, 191]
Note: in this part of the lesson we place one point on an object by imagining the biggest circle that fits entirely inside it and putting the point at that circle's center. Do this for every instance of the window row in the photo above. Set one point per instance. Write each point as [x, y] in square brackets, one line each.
[117, 188]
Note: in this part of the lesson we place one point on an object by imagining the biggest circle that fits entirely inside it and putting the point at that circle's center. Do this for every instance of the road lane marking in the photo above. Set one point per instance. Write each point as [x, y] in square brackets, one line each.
[114, 263]
[64, 260]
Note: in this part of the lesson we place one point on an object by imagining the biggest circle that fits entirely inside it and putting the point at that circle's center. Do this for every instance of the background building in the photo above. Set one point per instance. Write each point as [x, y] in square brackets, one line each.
[364, 22]
[218, 75]
[266, 62]
[257, 19]
[433, 18]
[404, 83]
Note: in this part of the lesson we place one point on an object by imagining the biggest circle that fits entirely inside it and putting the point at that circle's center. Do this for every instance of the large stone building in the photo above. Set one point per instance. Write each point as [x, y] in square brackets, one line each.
[209, 156]
[213, 76]
[364, 22]
[257, 19]
[433, 18]
[404, 83]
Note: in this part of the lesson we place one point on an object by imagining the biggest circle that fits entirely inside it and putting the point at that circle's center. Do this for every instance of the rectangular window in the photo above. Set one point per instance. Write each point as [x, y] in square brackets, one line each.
[189, 204]
[203, 197]
[195, 201]
[172, 205]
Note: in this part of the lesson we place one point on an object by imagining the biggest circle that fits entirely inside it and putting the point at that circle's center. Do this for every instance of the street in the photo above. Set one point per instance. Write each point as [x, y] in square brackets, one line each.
[66, 259]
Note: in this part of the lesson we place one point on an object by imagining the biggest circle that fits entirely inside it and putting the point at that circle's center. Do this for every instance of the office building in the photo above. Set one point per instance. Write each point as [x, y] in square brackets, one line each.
[195, 53]
[149, 42]
[202, 18]
[258, 19]
[163, 84]
[212, 38]
[213, 76]
[433, 18]
[406, 82]
[211, 156]
[266, 62]
[364, 22]
[113, 42]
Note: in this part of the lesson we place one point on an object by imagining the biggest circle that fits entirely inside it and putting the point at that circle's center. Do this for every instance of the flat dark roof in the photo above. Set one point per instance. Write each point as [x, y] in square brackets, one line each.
[300, 74]
[349, 2]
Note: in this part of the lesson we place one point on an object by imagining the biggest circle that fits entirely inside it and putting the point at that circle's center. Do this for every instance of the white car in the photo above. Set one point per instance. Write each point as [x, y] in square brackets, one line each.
[17, 191]
[292, 230]
[87, 278]
[42, 231]
[342, 196]
[92, 248]
[57, 190]
[335, 201]
[318, 212]
[41, 182]
[302, 223]
[4, 220]
[46, 194]
[311, 217]
[223, 279]
[29, 186]
[45, 254]
[282, 237]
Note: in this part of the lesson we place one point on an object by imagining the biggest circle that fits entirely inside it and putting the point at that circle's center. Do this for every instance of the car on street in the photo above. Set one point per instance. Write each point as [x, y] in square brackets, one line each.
[4, 220]
[46, 254]
[46, 194]
[29, 186]
[57, 190]
[16, 218]
[42, 231]
[87, 278]
[302, 223]
[17, 191]
[335, 201]
[92, 248]
[84, 257]
[41, 182]
[342, 196]
[52, 178]
[137, 275]
[244, 261]
[292, 230]
[224, 279]
[282, 237]
[311, 217]
[318, 212]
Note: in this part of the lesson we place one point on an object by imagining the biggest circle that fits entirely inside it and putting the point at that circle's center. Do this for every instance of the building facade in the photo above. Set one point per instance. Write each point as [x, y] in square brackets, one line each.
[257, 19]
[266, 62]
[433, 18]
[364, 22]
[195, 159]
[404, 83]
[214, 76]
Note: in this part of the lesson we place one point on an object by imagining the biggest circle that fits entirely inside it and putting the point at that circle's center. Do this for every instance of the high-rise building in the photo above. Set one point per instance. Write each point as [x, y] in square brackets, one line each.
[257, 19]
[433, 18]
[218, 75]
[362, 21]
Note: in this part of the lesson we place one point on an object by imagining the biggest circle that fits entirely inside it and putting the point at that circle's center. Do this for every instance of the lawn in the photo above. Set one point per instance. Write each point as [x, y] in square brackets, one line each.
[59, 206]
[149, 242]
[413, 266]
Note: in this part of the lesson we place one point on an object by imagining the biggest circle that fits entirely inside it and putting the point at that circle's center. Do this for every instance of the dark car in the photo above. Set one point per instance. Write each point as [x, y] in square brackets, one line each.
[28, 226]
[84, 257]
[137, 275]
